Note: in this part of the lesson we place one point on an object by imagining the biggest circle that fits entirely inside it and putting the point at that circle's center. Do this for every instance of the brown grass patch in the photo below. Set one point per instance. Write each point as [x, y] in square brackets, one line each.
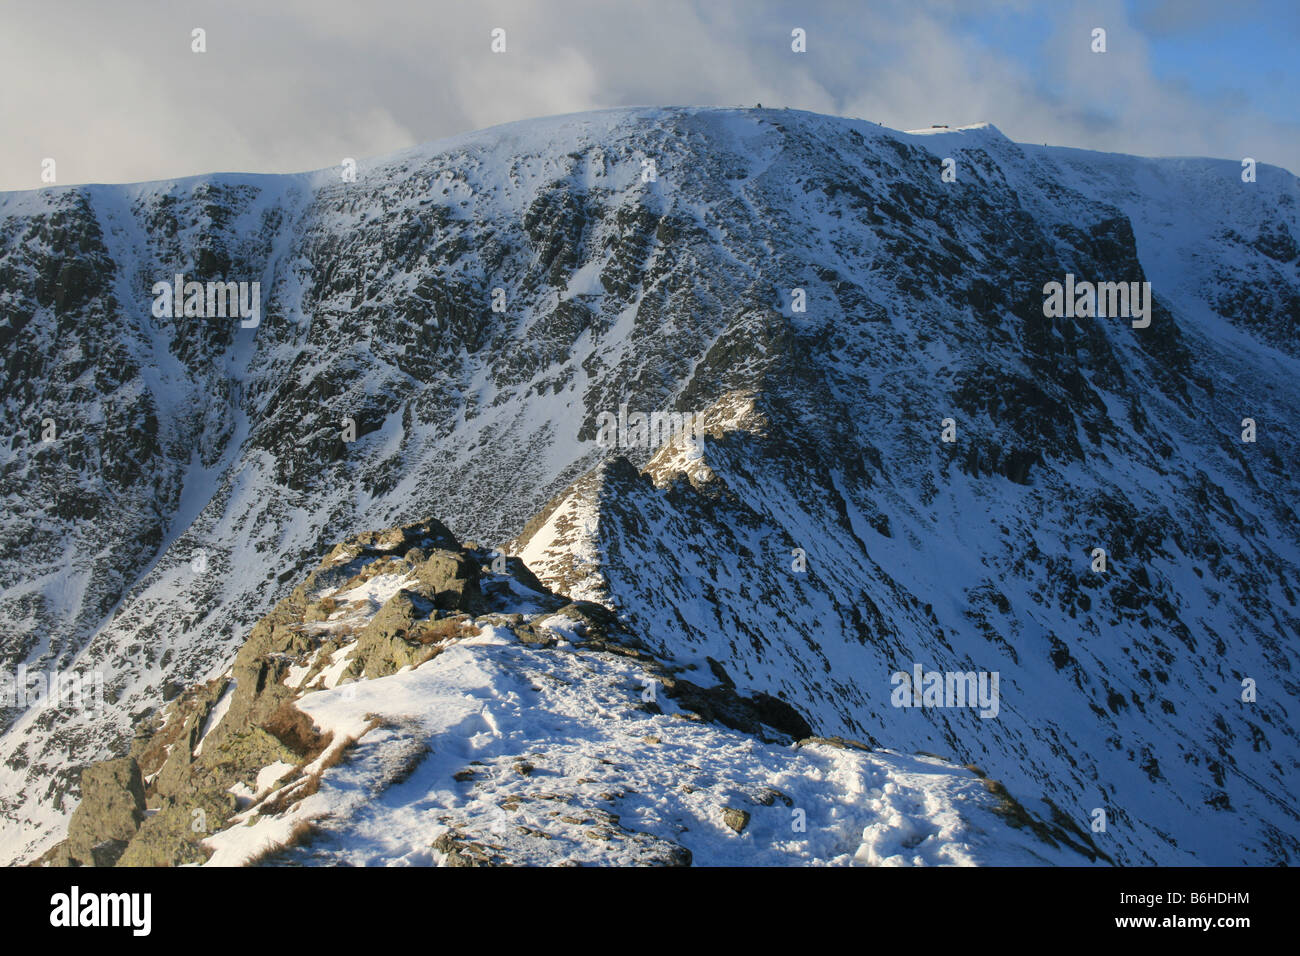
[294, 729]
[302, 833]
[443, 629]
[300, 789]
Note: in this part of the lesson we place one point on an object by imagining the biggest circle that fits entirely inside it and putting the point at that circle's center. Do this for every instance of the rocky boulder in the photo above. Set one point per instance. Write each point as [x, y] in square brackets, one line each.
[110, 813]
[450, 579]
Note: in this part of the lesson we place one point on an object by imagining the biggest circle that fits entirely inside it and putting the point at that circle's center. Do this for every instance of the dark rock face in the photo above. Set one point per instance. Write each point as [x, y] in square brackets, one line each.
[748, 715]
[781, 716]
[190, 443]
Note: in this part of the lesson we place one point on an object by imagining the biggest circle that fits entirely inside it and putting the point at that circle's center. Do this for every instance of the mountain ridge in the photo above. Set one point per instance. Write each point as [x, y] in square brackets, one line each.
[344, 688]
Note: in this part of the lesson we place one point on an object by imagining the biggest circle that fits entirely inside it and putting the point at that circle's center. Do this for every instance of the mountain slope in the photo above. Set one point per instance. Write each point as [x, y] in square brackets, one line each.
[924, 302]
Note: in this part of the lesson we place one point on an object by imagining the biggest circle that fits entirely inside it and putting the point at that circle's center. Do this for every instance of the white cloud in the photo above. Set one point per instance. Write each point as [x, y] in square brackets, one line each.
[113, 92]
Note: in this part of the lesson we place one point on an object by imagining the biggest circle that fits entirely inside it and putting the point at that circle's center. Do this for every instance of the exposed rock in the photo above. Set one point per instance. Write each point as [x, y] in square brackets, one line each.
[110, 812]
[173, 836]
[735, 819]
[388, 642]
[459, 851]
[767, 796]
[781, 715]
[720, 673]
[451, 580]
[729, 708]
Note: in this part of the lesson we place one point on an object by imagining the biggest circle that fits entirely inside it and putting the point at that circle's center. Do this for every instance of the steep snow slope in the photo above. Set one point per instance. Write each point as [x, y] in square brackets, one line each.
[924, 302]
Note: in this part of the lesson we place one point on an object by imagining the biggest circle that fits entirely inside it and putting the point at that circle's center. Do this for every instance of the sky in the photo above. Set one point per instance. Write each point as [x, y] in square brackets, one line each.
[114, 92]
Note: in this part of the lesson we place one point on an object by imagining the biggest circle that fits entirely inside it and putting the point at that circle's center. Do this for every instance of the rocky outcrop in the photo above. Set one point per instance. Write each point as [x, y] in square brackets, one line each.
[109, 815]
[189, 776]
[450, 580]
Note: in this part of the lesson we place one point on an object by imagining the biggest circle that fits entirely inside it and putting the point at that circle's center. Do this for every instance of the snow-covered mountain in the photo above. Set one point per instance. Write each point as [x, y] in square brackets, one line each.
[820, 538]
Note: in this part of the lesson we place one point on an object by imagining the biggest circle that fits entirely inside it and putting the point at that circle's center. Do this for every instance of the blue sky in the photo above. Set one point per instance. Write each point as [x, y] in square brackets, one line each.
[1247, 52]
[114, 92]
[1250, 51]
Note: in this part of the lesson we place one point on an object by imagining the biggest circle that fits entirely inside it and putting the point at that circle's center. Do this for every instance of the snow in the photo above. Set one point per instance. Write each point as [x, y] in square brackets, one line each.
[761, 216]
[216, 715]
[271, 774]
[489, 704]
[337, 665]
[359, 604]
[568, 539]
